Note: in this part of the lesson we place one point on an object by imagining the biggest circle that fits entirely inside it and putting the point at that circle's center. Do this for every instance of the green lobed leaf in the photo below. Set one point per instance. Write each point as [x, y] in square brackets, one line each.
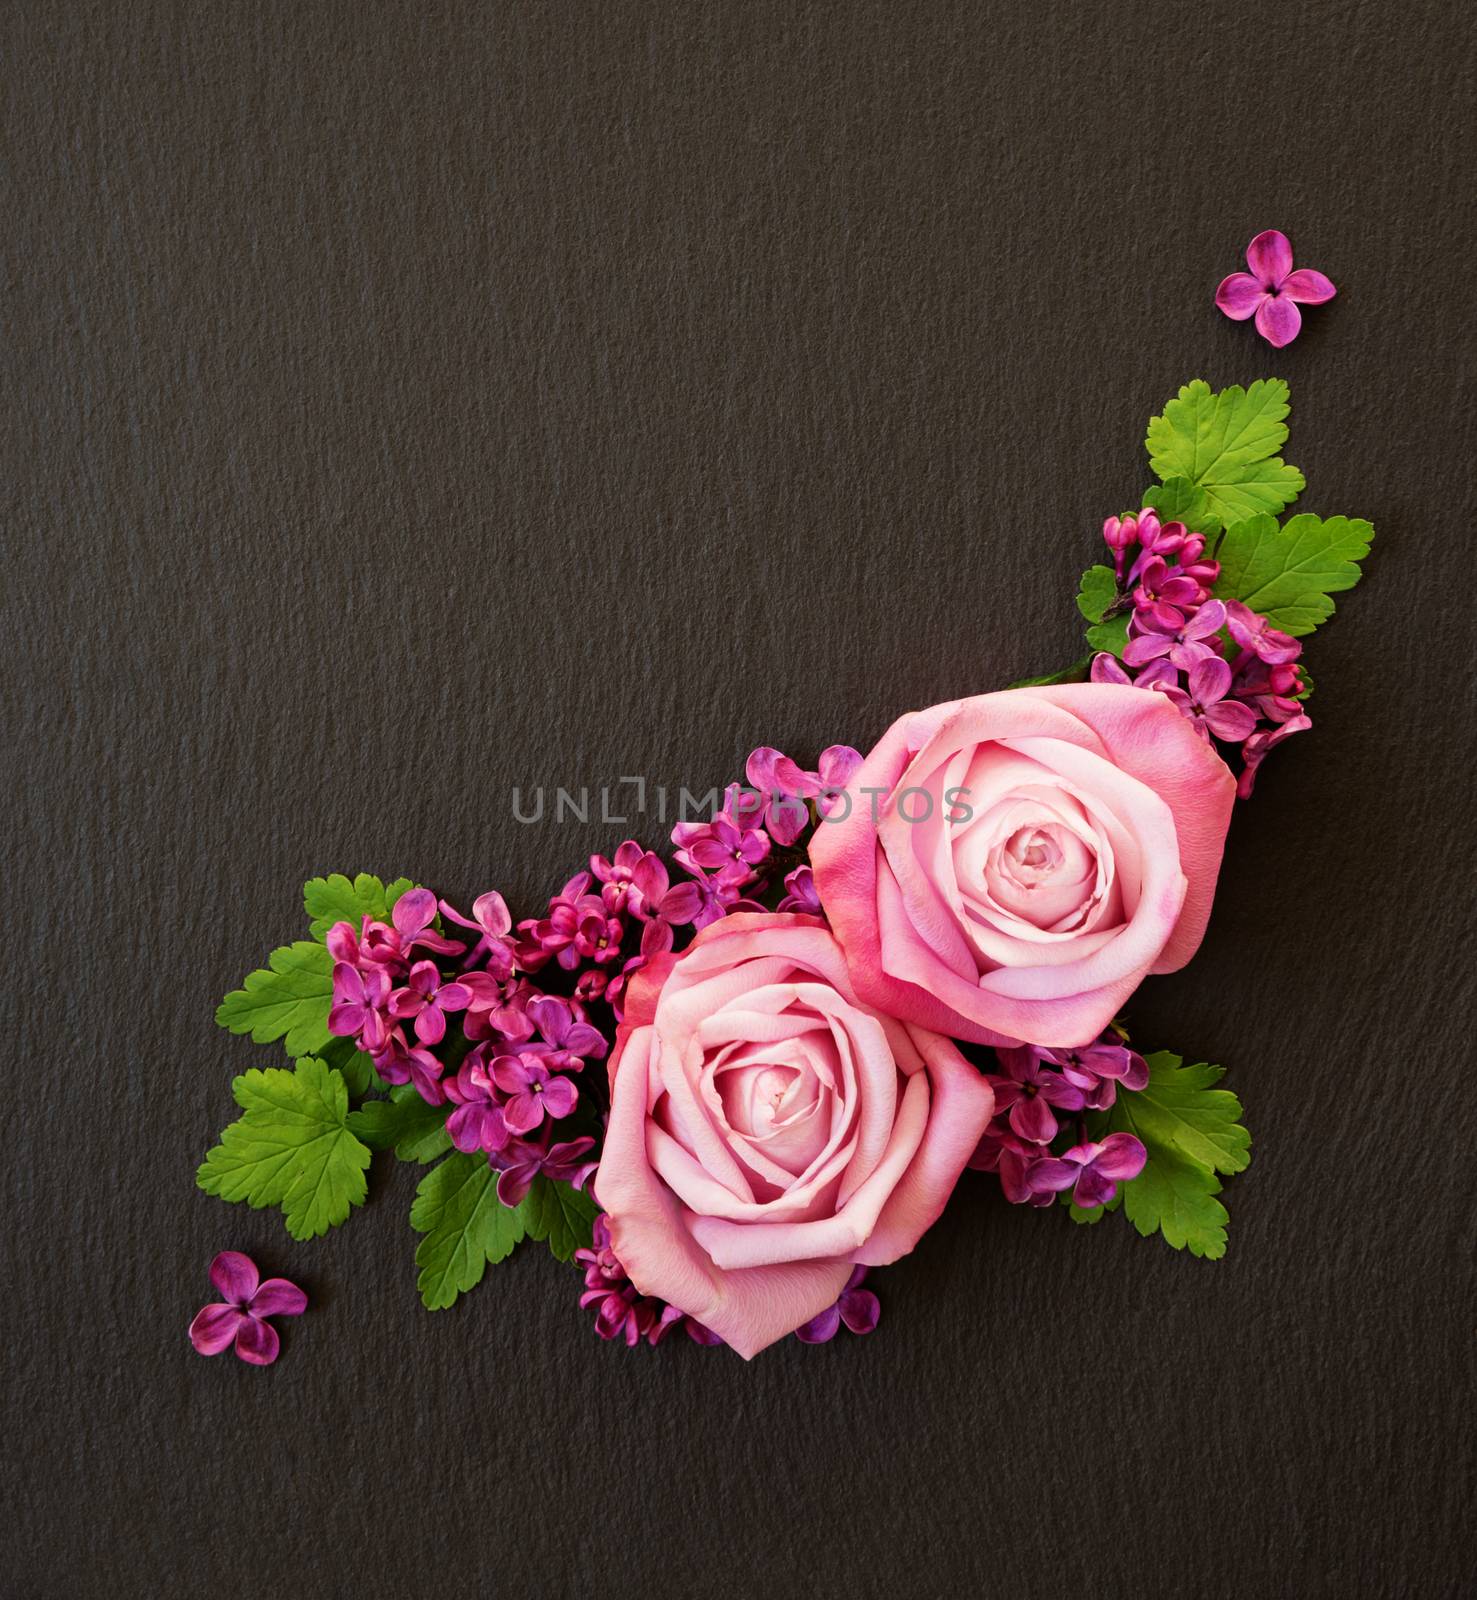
[560, 1214]
[1180, 1107]
[466, 1226]
[1179, 500]
[405, 1124]
[1097, 591]
[291, 1148]
[1175, 1196]
[344, 1056]
[1288, 573]
[1226, 444]
[288, 999]
[1076, 673]
[1111, 636]
[1191, 1131]
[336, 899]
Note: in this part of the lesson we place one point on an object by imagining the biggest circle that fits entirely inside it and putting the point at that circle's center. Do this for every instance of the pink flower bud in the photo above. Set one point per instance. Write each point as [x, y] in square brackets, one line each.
[1120, 532]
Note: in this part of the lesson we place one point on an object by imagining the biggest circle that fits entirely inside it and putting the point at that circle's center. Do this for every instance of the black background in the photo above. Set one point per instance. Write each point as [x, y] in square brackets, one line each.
[404, 403]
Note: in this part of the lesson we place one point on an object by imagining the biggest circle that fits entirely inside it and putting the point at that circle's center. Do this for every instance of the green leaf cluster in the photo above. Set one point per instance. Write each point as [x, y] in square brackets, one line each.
[1217, 456]
[298, 1145]
[1096, 593]
[289, 999]
[467, 1227]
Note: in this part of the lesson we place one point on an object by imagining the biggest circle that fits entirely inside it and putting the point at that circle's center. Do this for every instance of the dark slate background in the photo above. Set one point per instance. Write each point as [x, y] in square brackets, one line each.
[401, 403]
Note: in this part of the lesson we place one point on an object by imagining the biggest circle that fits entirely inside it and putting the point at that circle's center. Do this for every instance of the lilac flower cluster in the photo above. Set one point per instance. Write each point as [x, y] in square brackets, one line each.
[513, 1087]
[607, 923]
[1177, 642]
[1031, 1092]
[518, 1049]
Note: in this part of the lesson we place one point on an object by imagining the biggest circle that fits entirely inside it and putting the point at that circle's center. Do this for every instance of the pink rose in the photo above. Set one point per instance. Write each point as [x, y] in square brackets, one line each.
[1012, 866]
[768, 1133]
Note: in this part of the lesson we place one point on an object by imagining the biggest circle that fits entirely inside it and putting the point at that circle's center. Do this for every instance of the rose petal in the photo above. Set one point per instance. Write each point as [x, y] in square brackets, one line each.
[961, 1107]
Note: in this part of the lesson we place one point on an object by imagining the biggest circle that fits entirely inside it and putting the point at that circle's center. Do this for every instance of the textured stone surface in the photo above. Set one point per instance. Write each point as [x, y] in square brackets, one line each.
[404, 403]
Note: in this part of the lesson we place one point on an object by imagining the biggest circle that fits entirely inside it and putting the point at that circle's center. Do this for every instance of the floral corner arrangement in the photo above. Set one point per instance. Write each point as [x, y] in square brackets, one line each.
[730, 1082]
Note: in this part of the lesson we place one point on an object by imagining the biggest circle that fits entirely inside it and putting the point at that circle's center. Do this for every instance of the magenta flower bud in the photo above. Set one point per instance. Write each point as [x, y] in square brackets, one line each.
[1148, 522]
[1120, 532]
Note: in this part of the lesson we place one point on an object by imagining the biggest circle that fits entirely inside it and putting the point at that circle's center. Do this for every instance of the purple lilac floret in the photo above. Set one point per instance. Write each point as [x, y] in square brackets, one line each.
[491, 921]
[1272, 290]
[1224, 666]
[800, 893]
[780, 787]
[401, 1062]
[238, 1317]
[478, 1122]
[1038, 1093]
[1091, 1171]
[531, 1092]
[522, 1160]
[858, 1308]
[426, 1001]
